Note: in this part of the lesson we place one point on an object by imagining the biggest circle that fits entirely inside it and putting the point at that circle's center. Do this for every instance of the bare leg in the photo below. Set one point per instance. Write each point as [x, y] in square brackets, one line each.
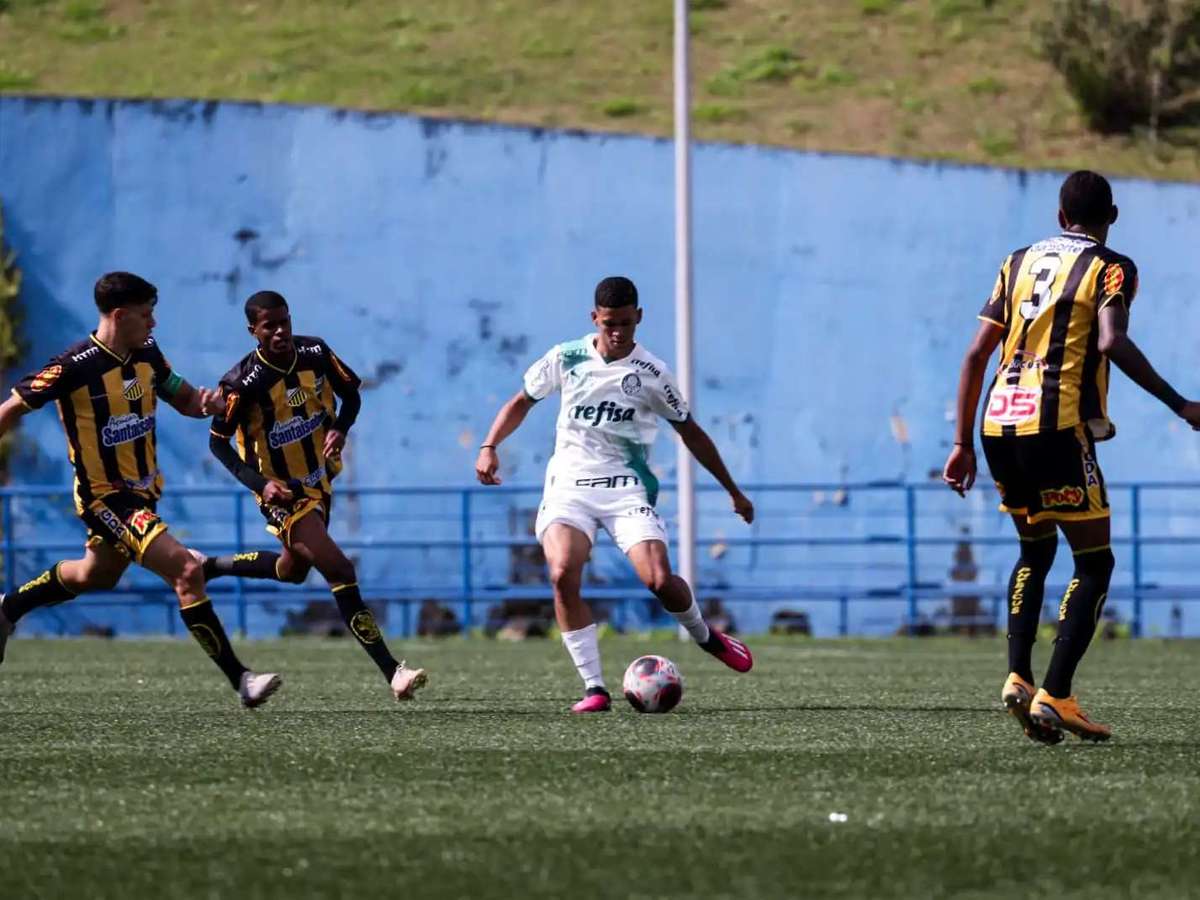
[174, 563]
[310, 544]
[567, 550]
[653, 566]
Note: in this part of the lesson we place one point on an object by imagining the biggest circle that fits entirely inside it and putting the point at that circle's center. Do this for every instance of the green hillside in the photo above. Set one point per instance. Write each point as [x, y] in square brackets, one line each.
[957, 79]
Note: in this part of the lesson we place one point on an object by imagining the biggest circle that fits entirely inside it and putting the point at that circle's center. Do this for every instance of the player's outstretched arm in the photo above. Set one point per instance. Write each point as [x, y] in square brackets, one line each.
[1117, 345]
[959, 472]
[510, 417]
[701, 446]
[196, 403]
[10, 411]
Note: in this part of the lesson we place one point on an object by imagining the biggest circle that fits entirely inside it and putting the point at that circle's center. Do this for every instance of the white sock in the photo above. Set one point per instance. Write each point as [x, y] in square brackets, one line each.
[693, 622]
[585, 653]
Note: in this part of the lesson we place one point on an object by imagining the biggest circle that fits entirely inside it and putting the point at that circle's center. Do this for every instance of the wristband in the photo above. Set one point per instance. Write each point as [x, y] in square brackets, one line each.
[487, 446]
[172, 384]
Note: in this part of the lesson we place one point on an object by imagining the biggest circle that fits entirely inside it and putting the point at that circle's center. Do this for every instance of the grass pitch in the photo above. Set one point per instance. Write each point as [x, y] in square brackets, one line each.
[127, 770]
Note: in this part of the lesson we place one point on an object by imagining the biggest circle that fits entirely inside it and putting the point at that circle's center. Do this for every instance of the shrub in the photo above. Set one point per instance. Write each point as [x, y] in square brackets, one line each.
[1128, 63]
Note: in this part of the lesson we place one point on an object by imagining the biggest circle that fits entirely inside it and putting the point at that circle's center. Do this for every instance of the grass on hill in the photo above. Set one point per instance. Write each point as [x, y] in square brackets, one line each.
[944, 79]
[128, 771]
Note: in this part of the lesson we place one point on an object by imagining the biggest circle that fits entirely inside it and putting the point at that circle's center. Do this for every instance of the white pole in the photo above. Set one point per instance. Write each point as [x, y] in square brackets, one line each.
[683, 292]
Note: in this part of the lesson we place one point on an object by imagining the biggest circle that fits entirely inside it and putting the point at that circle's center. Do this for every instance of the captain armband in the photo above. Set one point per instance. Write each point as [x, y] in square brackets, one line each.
[172, 385]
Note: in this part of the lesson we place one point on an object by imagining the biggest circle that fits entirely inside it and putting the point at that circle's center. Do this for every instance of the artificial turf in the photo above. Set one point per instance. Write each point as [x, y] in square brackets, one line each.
[127, 770]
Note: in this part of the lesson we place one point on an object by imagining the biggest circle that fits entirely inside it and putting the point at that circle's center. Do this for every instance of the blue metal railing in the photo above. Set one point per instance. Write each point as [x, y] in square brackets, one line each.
[896, 534]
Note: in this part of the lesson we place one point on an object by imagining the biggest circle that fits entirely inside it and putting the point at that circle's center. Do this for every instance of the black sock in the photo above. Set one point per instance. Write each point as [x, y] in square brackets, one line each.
[1026, 590]
[1077, 617]
[255, 564]
[362, 625]
[45, 590]
[201, 620]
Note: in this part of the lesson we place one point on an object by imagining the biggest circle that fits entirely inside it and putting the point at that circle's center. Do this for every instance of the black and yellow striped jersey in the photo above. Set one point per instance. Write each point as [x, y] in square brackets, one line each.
[280, 415]
[107, 405]
[1047, 299]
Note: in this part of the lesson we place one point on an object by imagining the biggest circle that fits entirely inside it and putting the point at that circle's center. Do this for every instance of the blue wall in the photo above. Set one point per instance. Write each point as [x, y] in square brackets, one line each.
[835, 294]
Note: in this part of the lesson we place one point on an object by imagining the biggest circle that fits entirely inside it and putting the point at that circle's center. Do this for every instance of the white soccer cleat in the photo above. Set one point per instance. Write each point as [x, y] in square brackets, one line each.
[406, 682]
[6, 630]
[256, 689]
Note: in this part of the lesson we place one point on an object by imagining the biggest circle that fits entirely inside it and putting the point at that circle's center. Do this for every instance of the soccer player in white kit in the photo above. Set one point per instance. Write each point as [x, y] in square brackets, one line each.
[613, 393]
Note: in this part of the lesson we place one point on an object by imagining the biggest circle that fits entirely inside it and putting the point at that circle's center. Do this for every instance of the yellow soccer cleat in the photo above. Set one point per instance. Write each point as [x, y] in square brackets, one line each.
[1016, 697]
[1065, 715]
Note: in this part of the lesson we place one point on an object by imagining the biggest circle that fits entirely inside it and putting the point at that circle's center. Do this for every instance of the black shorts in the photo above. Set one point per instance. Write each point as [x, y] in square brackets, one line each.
[280, 519]
[1051, 476]
[124, 520]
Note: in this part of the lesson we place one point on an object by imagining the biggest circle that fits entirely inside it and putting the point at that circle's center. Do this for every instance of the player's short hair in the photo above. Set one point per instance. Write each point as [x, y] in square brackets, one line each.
[616, 291]
[116, 289]
[261, 301]
[1086, 198]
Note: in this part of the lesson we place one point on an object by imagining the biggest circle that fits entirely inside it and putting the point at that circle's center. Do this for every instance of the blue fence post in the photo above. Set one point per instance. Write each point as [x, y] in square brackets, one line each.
[239, 542]
[843, 616]
[10, 562]
[467, 579]
[910, 510]
[1135, 526]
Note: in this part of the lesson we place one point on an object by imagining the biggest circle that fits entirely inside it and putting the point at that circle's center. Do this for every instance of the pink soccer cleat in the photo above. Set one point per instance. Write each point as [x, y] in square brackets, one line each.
[595, 700]
[730, 651]
[406, 682]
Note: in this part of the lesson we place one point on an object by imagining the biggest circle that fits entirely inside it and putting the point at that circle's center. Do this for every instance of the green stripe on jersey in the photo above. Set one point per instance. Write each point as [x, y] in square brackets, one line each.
[637, 458]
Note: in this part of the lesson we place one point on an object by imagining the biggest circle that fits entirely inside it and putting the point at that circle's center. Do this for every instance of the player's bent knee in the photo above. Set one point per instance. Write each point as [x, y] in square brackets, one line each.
[564, 578]
[659, 581]
[192, 574]
[97, 580]
[294, 574]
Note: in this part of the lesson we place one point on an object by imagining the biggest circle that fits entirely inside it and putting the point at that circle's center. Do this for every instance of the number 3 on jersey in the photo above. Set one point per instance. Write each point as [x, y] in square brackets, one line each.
[1044, 272]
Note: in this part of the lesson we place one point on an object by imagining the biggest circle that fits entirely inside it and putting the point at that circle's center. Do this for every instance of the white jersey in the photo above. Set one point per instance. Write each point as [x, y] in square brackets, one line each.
[609, 415]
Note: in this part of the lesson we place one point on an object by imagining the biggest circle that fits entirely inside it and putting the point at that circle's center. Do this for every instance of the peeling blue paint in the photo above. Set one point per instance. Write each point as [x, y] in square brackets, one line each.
[833, 292]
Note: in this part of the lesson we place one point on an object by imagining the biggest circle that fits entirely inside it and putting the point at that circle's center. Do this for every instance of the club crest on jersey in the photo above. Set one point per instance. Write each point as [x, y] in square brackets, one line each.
[631, 384]
[126, 428]
[133, 390]
[45, 378]
[606, 411]
[297, 397]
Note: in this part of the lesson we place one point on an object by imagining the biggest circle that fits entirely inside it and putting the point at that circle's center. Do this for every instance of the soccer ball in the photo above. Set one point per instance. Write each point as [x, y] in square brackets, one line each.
[652, 684]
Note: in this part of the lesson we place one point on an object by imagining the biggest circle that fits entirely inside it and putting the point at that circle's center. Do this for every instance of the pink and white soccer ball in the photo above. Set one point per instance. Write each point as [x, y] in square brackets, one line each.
[652, 684]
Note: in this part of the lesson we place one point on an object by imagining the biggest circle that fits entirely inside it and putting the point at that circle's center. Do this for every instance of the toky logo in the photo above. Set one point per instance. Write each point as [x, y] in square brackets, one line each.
[1068, 495]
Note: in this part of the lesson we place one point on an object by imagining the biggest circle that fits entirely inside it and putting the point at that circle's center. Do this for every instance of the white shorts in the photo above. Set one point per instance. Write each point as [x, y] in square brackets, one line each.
[624, 514]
